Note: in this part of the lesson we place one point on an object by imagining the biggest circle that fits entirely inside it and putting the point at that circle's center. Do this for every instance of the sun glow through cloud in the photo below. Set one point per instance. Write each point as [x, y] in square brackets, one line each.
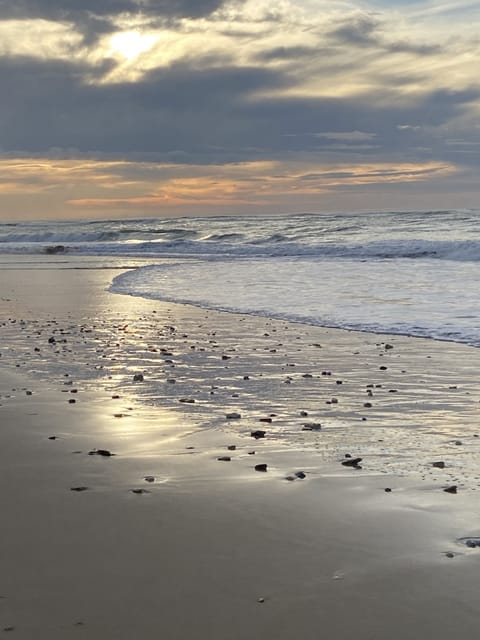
[131, 44]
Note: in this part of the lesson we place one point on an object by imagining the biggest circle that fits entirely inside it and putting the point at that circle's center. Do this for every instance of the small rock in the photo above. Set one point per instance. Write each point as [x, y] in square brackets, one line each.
[383, 368]
[233, 416]
[439, 465]
[367, 405]
[300, 474]
[312, 426]
[187, 400]
[449, 554]
[387, 490]
[149, 478]
[139, 491]
[260, 467]
[52, 437]
[231, 447]
[72, 401]
[304, 414]
[258, 434]
[269, 420]
[224, 459]
[452, 489]
[78, 489]
[352, 462]
[101, 452]
[138, 377]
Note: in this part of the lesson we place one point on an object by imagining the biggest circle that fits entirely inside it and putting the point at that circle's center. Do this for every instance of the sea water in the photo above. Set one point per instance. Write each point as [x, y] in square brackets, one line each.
[413, 273]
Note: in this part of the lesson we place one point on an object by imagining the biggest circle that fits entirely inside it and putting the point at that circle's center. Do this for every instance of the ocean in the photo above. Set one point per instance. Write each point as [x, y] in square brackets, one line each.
[411, 273]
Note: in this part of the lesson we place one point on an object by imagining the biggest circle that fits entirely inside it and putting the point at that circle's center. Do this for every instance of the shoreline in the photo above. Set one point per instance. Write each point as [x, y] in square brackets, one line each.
[216, 549]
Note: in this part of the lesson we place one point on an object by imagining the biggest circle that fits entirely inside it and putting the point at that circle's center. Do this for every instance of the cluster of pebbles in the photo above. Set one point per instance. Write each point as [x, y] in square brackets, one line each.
[350, 400]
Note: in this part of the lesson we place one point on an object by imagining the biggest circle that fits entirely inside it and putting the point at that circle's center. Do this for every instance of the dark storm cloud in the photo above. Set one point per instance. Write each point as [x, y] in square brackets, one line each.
[94, 17]
[216, 115]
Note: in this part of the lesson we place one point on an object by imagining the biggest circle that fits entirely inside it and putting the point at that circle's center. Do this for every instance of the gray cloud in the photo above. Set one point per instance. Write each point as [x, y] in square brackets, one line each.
[217, 115]
[367, 30]
[92, 18]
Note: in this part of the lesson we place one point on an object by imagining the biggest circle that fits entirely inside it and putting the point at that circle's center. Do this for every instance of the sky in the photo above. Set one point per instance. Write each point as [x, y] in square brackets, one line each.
[132, 108]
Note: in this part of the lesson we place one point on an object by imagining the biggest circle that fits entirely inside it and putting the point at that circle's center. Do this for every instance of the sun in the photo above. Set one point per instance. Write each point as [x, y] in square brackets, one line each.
[131, 44]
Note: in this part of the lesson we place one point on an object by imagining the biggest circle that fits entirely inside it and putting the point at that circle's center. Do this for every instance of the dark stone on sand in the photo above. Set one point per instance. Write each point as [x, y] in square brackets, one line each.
[383, 368]
[51, 340]
[471, 543]
[149, 479]
[260, 467]
[226, 357]
[389, 346]
[452, 489]
[352, 462]
[439, 465]
[138, 377]
[71, 401]
[251, 453]
[232, 447]
[115, 397]
[246, 377]
[265, 419]
[338, 381]
[449, 554]
[258, 434]
[307, 375]
[101, 452]
[312, 426]
[300, 474]
[304, 414]
[52, 437]
[224, 459]
[387, 490]
[458, 442]
[78, 489]
[58, 248]
[367, 405]
[139, 491]
[187, 400]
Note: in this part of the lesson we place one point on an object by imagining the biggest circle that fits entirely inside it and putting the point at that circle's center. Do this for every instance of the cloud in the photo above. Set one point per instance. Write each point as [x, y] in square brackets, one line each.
[92, 18]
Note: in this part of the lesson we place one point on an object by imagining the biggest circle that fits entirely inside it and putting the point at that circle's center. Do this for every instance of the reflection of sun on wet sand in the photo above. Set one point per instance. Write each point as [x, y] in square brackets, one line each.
[224, 476]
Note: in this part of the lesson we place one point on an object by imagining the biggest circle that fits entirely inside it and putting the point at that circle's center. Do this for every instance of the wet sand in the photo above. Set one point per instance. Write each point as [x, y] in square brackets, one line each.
[212, 548]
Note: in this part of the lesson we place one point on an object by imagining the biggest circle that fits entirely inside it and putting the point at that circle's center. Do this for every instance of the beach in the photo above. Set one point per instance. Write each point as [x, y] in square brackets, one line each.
[171, 531]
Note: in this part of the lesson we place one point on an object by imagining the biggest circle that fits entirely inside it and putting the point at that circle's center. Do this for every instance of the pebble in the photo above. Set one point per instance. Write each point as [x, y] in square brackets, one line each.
[439, 465]
[452, 489]
[224, 459]
[149, 478]
[260, 467]
[101, 452]
[351, 462]
[78, 489]
[258, 434]
[233, 416]
[139, 491]
[138, 377]
[312, 426]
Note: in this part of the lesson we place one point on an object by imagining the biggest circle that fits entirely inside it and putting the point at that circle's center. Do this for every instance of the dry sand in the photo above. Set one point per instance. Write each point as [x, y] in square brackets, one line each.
[214, 549]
